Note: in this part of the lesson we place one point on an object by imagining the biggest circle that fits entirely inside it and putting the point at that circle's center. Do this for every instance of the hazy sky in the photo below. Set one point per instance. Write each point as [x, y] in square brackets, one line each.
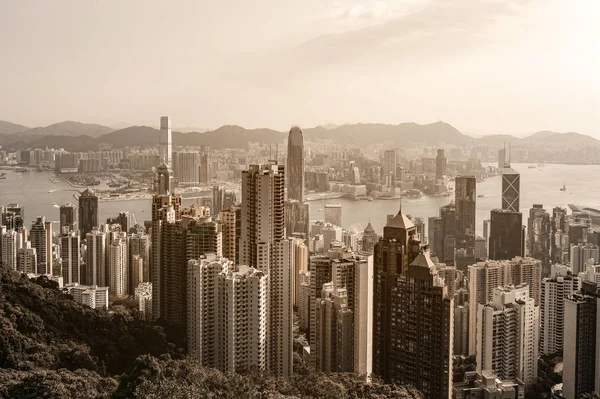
[485, 66]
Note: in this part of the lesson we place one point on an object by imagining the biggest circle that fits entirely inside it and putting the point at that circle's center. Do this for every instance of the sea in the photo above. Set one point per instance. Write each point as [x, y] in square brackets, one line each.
[540, 185]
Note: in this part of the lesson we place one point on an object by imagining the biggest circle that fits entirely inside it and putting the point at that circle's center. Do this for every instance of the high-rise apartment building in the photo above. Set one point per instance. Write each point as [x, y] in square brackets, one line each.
[333, 213]
[27, 259]
[507, 335]
[227, 219]
[295, 165]
[581, 254]
[511, 189]
[300, 265]
[539, 230]
[506, 235]
[13, 217]
[555, 290]
[70, 257]
[67, 217]
[93, 296]
[557, 251]
[165, 144]
[95, 258]
[40, 236]
[449, 232]
[9, 249]
[440, 164]
[88, 212]
[118, 267]
[143, 299]
[139, 245]
[581, 370]
[465, 199]
[486, 276]
[227, 315]
[390, 162]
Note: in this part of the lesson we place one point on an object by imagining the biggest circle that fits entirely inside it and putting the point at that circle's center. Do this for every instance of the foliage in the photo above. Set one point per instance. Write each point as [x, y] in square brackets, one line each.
[547, 377]
[166, 377]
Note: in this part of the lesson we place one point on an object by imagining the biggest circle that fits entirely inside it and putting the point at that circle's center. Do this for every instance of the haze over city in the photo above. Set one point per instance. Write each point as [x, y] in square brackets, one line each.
[486, 67]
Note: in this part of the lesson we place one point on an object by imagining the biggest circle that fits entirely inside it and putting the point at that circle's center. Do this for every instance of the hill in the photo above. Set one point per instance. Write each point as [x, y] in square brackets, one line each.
[11, 128]
[52, 347]
[69, 128]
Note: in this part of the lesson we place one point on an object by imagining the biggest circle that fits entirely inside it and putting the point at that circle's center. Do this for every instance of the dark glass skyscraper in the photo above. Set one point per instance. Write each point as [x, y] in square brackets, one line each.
[67, 217]
[295, 165]
[440, 164]
[465, 199]
[88, 212]
[539, 230]
[506, 235]
[511, 181]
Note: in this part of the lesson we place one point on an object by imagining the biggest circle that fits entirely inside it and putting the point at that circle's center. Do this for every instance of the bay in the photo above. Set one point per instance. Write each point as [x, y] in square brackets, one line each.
[539, 185]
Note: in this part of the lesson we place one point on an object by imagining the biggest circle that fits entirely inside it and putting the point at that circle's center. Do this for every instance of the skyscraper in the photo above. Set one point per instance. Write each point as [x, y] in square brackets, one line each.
[506, 234]
[507, 335]
[165, 147]
[9, 249]
[297, 222]
[118, 267]
[204, 172]
[333, 213]
[389, 167]
[186, 166]
[369, 239]
[539, 230]
[465, 199]
[38, 235]
[295, 165]
[227, 315]
[413, 334]
[501, 158]
[70, 256]
[440, 164]
[555, 289]
[228, 219]
[510, 189]
[95, 258]
[88, 212]
[448, 216]
[217, 200]
[67, 217]
[581, 254]
[484, 277]
[581, 373]
[27, 259]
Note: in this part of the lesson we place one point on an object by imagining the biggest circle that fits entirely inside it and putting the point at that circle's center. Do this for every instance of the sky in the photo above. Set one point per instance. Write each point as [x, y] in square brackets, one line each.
[484, 66]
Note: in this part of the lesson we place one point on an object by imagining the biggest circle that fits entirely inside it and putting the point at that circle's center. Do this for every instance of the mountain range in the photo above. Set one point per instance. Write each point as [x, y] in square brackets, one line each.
[77, 136]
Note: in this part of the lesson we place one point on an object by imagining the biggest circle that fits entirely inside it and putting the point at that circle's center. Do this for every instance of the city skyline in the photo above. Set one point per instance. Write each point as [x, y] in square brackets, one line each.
[401, 42]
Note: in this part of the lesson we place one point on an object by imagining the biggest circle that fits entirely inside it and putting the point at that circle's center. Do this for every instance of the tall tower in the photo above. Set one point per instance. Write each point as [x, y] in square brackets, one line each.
[295, 165]
[118, 262]
[165, 146]
[440, 164]
[67, 217]
[38, 235]
[506, 235]
[69, 253]
[539, 229]
[88, 211]
[95, 258]
[511, 186]
[465, 199]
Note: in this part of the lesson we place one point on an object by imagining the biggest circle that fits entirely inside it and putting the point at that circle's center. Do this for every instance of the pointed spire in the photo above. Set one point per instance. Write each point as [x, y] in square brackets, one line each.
[400, 207]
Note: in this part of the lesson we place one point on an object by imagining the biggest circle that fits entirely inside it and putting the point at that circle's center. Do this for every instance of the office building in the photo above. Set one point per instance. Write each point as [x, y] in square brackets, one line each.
[13, 217]
[67, 217]
[9, 249]
[539, 230]
[135, 272]
[369, 239]
[390, 163]
[557, 239]
[88, 212]
[581, 373]
[70, 257]
[435, 238]
[484, 277]
[555, 289]
[118, 267]
[465, 199]
[506, 235]
[92, 296]
[295, 165]
[227, 315]
[304, 300]
[333, 214]
[487, 385]
[363, 316]
[204, 172]
[511, 181]
[402, 348]
[507, 335]
[27, 259]
[95, 258]
[501, 158]
[300, 265]
[440, 165]
[165, 145]
[461, 331]
[123, 220]
[297, 221]
[40, 236]
[186, 168]
[218, 193]
[139, 245]
[581, 254]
